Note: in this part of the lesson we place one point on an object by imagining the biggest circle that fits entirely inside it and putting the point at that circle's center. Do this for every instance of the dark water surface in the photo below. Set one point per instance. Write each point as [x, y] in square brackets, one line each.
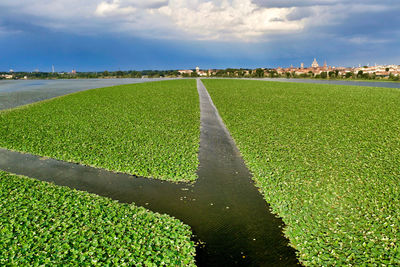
[15, 93]
[337, 82]
[223, 207]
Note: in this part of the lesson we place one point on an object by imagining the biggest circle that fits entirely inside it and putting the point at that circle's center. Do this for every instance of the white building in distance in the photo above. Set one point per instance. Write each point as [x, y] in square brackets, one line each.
[315, 64]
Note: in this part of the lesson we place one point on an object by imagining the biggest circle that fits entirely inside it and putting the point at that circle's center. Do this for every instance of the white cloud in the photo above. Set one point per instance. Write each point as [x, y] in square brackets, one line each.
[244, 20]
[144, 4]
[114, 9]
[237, 19]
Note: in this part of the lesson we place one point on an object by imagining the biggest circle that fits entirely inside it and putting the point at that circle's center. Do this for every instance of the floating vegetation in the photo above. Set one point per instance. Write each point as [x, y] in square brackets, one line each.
[149, 130]
[44, 224]
[327, 159]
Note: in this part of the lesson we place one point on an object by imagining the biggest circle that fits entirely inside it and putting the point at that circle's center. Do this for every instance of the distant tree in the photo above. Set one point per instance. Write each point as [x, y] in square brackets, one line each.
[324, 75]
[349, 74]
[387, 69]
[135, 74]
[240, 73]
[273, 73]
[359, 74]
[365, 76]
[230, 72]
[106, 73]
[171, 73]
[259, 73]
[220, 73]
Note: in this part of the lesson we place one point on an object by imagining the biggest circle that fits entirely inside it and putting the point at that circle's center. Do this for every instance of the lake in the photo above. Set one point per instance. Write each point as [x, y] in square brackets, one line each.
[15, 93]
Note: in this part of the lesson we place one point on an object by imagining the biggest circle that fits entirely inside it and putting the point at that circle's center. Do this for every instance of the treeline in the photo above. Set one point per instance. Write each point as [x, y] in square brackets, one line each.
[229, 72]
[92, 75]
[232, 73]
[360, 75]
[272, 73]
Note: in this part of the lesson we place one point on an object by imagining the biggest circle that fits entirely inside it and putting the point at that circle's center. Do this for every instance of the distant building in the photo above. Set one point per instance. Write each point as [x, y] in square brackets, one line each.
[315, 64]
[73, 71]
[302, 65]
[185, 71]
[197, 69]
[202, 73]
[7, 76]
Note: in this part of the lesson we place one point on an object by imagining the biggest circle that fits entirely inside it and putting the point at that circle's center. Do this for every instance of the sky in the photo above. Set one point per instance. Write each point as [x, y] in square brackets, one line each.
[98, 35]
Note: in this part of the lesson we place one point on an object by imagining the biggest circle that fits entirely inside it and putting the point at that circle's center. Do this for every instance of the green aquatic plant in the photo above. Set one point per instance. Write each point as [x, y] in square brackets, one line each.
[327, 160]
[44, 224]
[150, 129]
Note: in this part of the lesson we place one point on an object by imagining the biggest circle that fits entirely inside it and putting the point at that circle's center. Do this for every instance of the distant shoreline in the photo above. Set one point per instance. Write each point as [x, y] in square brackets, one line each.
[205, 77]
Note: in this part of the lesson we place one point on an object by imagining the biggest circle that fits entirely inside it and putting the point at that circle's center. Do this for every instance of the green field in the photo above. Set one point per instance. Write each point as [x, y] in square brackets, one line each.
[327, 159]
[149, 129]
[44, 224]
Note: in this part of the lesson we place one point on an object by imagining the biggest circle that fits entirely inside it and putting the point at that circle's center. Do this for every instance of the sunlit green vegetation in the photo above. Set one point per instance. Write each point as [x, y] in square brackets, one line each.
[149, 129]
[44, 224]
[327, 159]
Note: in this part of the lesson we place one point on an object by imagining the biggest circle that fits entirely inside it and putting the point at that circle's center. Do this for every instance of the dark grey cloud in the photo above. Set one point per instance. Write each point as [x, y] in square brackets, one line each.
[13, 23]
[310, 3]
[370, 23]
[358, 24]
[341, 32]
[300, 13]
[144, 4]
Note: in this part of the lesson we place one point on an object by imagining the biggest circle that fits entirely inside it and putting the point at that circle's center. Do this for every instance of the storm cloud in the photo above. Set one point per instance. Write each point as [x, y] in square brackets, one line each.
[270, 31]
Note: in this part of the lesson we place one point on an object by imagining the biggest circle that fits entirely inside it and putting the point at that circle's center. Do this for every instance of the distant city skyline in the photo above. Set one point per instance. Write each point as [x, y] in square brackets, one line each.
[160, 34]
[301, 65]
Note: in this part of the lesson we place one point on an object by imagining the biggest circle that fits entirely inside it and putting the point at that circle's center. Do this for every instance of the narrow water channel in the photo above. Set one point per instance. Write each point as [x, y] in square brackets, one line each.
[223, 207]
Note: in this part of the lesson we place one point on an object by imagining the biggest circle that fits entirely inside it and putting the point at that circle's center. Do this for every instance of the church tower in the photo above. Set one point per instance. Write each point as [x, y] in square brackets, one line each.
[315, 64]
